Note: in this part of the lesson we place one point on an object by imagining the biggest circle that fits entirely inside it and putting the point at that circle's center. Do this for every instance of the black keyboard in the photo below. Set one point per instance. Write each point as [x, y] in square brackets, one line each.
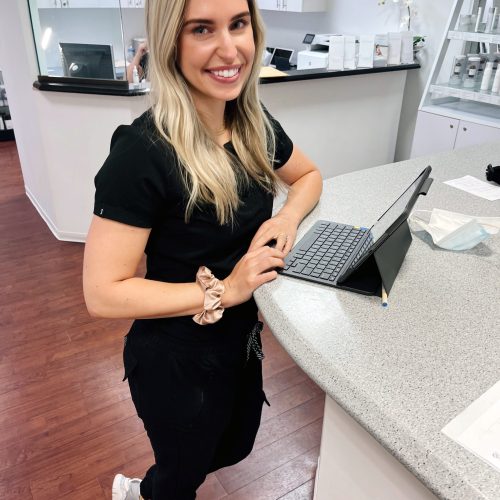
[324, 251]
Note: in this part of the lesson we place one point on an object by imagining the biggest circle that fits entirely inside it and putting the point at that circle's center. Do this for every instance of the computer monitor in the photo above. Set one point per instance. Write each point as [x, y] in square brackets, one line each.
[281, 55]
[88, 60]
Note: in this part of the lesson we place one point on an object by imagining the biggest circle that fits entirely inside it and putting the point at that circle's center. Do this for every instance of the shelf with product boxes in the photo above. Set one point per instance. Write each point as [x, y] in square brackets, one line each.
[461, 103]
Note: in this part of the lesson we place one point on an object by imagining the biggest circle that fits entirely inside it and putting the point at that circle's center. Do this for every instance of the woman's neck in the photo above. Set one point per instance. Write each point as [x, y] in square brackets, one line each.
[212, 115]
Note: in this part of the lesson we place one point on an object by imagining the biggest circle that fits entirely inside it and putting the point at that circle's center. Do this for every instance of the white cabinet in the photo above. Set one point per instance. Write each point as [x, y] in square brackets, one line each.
[83, 4]
[436, 134]
[433, 134]
[451, 116]
[48, 4]
[133, 4]
[470, 134]
[294, 5]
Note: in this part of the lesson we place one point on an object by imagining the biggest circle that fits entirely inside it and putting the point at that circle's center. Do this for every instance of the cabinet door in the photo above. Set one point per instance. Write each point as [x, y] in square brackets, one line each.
[470, 134]
[305, 5]
[433, 134]
[270, 4]
[48, 4]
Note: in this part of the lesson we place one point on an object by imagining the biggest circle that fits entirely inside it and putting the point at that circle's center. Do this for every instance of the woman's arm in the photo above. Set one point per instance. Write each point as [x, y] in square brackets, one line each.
[136, 61]
[112, 254]
[306, 185]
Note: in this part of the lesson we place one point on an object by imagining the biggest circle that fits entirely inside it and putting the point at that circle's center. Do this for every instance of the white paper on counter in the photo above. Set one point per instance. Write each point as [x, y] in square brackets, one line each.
[366, 46]
[477, 428]
[475, 186]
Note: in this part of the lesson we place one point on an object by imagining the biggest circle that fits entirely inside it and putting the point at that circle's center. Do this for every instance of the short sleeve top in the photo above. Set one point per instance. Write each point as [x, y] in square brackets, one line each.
[140, 184]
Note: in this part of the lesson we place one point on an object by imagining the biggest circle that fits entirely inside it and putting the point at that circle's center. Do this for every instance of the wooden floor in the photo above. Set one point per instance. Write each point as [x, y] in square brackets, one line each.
[67, 424]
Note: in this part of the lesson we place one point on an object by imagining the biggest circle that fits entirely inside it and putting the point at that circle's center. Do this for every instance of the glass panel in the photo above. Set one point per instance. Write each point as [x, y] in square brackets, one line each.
[134, 35]
[79, 38]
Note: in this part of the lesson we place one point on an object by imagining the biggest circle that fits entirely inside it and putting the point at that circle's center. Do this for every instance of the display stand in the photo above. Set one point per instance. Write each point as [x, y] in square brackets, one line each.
[452, 117]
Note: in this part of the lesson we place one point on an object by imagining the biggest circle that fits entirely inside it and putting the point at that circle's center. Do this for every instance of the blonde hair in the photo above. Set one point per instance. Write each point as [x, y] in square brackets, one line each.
[211, 175]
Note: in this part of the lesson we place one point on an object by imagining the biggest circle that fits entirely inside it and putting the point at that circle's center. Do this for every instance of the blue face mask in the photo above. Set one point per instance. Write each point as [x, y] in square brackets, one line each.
[454, 231]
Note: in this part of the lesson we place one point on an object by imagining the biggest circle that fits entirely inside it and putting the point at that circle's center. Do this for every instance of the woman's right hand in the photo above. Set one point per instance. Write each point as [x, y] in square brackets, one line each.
[253, 270]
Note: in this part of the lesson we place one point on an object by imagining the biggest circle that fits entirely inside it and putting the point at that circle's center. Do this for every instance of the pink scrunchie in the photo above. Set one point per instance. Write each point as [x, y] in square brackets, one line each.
[213, 288]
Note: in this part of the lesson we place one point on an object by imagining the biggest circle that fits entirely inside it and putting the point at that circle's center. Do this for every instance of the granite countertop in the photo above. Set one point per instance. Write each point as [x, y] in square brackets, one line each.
[405, 371]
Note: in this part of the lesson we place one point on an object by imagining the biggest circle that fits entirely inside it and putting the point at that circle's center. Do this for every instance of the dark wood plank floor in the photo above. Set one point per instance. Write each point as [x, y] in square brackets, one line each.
[67, 424]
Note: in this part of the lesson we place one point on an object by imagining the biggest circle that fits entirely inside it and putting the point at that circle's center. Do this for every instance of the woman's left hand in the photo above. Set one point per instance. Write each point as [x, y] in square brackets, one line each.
[279, 228]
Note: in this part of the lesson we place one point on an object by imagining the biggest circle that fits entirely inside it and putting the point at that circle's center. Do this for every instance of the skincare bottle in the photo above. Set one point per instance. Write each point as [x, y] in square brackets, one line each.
[135, 77]
[496, 82]
[470, 75]
[458, 70]
[478, 19]
[480, 70]
[492, 11]
[485, 82]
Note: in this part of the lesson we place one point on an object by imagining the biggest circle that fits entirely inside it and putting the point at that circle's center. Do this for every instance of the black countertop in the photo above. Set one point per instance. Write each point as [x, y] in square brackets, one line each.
[120, 88]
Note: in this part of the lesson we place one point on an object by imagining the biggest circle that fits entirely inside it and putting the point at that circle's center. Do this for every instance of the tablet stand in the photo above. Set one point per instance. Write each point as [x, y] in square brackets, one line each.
[382, 266]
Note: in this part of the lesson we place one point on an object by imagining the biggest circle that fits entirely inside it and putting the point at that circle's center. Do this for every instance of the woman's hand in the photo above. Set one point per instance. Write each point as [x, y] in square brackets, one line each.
[252, 270]
[281, 228]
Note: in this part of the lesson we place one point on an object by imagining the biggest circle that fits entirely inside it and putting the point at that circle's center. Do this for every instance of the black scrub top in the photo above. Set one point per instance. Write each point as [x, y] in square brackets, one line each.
[140, 185]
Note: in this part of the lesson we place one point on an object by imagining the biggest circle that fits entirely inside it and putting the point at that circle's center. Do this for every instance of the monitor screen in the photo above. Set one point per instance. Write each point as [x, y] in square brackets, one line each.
[284, 53]
[86, 60]
[396, 212]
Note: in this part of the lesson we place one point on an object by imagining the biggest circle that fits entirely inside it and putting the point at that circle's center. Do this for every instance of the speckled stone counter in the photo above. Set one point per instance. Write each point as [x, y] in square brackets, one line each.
[404, 372]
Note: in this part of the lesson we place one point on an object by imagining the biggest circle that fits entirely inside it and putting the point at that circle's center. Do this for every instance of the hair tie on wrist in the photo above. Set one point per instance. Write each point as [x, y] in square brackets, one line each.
[213, 288]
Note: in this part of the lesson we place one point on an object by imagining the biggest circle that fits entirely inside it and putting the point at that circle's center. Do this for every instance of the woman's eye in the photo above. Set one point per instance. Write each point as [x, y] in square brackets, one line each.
[239, 24]
[200, 30]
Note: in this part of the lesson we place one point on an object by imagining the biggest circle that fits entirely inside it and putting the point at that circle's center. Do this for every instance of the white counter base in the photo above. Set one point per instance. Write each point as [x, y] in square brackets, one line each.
[354, 466]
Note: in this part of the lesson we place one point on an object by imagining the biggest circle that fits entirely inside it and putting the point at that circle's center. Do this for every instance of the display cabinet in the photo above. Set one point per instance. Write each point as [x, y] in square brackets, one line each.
[294, 5]
[460, 105]
[86, 38]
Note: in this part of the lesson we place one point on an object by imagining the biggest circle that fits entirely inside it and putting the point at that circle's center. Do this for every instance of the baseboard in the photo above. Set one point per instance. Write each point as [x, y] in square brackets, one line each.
[60, 235]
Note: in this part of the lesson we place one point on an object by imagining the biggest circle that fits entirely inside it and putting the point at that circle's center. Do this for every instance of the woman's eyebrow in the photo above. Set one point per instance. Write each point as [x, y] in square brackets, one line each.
[210, 21]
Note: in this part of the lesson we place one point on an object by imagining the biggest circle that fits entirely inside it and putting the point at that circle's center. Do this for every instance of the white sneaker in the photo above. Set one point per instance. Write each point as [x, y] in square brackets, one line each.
[125, 488]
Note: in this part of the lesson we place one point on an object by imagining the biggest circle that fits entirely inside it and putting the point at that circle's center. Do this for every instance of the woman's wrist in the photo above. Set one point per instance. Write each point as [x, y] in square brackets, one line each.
[213, 291]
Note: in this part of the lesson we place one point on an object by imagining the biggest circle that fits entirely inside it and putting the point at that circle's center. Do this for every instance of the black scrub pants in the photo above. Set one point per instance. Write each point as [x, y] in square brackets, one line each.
[200, 405]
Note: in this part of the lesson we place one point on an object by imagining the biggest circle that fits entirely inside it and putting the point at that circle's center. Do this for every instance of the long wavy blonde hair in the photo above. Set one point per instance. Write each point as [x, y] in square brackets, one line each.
[210, 174]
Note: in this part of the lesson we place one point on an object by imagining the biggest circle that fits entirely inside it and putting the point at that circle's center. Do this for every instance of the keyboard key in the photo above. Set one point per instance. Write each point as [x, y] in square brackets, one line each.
[307, 271]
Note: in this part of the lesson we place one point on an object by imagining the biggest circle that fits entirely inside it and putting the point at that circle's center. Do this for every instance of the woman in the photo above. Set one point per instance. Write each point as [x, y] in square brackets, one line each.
[191, 184]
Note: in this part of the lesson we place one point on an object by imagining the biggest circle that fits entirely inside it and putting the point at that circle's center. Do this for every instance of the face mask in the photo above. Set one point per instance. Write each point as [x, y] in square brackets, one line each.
[454, 231]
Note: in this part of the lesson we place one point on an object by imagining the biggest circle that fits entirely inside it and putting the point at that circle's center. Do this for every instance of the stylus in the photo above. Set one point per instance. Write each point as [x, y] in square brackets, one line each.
[384, 297]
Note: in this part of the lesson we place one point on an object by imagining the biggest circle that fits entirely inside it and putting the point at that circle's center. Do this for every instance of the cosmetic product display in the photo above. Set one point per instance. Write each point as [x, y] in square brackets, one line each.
[492, 12]
[483, 59]
[394, 49]
[336, 53]
[485, 82]
[478, 19]
[366, 49]
[458, 70]
[471, 72]
[406, 47]
[349, 52]
[496, 83]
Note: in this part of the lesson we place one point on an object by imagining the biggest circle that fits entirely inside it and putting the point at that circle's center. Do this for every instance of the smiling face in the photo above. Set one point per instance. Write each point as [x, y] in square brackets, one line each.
[216, 50]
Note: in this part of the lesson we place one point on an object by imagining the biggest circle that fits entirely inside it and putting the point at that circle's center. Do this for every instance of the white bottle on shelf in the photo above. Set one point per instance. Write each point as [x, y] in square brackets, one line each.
[485, 82]
[496, 83]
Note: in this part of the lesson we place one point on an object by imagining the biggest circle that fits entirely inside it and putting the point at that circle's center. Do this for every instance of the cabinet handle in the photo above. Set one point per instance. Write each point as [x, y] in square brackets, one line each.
[451, 126]
[465, 129]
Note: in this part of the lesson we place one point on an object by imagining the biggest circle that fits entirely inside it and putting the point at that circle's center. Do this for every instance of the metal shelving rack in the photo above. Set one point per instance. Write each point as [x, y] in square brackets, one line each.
[455, 102]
